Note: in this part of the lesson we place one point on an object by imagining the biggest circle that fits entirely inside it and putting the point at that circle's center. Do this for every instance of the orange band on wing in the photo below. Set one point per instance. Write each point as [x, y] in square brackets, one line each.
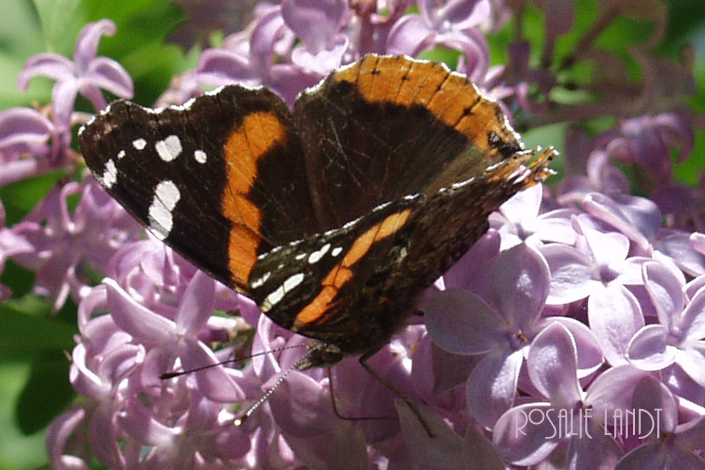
[341, 273]
[449, 96]
[258, 133]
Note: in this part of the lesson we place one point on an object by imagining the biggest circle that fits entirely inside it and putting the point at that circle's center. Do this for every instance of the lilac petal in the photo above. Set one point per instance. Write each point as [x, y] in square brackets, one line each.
[658, 456]
[552, 364]
[692, 361]
[613, 390]
[492, 386]
[47, 64]
[469, 272]
[87, 43]
[691, 288]
[524, 205]
[591, 448]
[478, 452]
[698, 241]
[57, 436]
[522, 442]
[643, 214]
[139, 423]
[230, 443]
[301, 407]
[692, 321]
[436, 371]
[649, 456]
[196, 305]
[520, 283]
[462, 14]
[651, 395]
[677, 128]
[119, 363]
[157, 361]
[630, 271]
[323, 61]
[409, 35]
[615, 317]
[63, 97]
[691, 434]
[315, 22]
[571, 274]
[143, 324]
[606, 248]
[110, 75]
[221, 67]
[214, 382]
[666, 292]
[441, 450]
[25, 169]
[649, 348]
[555, 226]
[636, 217]
[590, 356]
[288, 80]
[268, 29]
[21, 127]
[462, 323]
[678, 245]
[103, 436]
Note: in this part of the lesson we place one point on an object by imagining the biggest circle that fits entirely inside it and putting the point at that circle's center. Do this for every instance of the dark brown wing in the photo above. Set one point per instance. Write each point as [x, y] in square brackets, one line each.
[218, 179]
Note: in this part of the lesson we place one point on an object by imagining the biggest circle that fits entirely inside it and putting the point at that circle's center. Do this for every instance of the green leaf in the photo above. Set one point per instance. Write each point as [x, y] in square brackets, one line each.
[140, 42]
[17, 450]
[29, 329]
[46, 393]
[21, 197]
[59, 22]
[17, 278]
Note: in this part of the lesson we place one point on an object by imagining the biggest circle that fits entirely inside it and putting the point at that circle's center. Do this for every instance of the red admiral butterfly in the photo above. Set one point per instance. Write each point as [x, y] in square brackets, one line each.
[332, 217]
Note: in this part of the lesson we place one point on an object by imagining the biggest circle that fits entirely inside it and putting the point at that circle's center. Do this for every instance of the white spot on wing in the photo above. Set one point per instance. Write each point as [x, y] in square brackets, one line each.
[336, 251]
[257, 283]
[278, 294]
[169, 148]
[109, 174]
[139, 144]
[200, 156]
[161, 220]
[317, 255]
[121, 154]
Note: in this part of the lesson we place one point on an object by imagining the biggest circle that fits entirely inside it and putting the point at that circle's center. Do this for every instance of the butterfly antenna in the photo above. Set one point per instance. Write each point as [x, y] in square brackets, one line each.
[171, 375]
[241, 420]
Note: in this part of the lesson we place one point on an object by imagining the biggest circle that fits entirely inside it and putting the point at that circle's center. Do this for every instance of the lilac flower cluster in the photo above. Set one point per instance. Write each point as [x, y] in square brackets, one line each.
[580, 310]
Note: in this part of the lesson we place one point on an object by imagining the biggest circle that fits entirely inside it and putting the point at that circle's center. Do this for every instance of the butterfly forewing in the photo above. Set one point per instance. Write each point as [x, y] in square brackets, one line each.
[191, 174]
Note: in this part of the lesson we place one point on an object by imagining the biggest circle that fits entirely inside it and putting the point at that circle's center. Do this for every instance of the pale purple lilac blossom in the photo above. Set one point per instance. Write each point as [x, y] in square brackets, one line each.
[501, 328]
[33, 142]
[525, 439]
[86, 74]
[561, 285]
